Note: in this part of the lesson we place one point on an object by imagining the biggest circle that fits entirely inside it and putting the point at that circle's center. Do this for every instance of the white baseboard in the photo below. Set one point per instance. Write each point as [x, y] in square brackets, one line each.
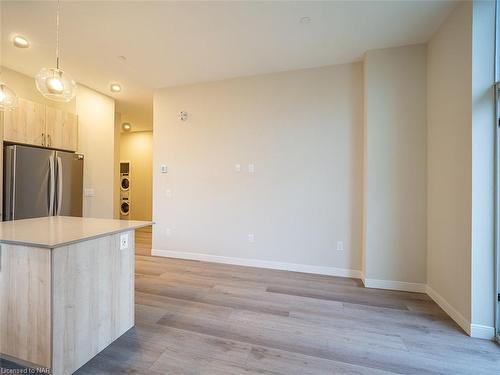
[321, 270]
[450, 310]
[394, 285]
[482, 332]
[478, 331]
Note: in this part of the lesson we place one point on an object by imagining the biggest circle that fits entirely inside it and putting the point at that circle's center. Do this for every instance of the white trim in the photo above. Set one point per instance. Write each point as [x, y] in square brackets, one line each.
[321, 270]
[450, 310]
[394, 285]
[482, 332]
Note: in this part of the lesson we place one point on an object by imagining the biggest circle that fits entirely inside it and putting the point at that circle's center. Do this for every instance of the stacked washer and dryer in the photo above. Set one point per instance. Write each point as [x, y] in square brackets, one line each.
[124, 190]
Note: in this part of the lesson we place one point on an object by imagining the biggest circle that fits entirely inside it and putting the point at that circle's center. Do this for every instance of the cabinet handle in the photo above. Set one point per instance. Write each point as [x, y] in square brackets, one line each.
[50, 139]
[43, 139]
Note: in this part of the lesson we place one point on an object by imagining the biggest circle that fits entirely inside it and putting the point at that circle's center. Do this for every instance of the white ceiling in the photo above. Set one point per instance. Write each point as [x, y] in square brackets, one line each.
[176, 43]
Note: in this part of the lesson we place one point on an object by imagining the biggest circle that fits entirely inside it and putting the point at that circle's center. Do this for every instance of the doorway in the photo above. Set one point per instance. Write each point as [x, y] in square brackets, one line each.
[136, 178]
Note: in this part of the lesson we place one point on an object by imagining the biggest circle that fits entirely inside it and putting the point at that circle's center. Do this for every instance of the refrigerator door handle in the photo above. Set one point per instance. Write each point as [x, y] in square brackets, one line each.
[13, 185]
[59, 185]
[52, 193]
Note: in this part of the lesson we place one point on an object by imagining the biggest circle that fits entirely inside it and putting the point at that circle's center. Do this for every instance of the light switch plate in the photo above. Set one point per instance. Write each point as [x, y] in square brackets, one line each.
[163, 168]
[124, 241]
[89, 192]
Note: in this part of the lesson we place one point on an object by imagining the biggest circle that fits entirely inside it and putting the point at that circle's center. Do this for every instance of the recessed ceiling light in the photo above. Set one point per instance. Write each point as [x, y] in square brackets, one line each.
[126, 126]
[115, 87]
[304, 20]
[20, 42]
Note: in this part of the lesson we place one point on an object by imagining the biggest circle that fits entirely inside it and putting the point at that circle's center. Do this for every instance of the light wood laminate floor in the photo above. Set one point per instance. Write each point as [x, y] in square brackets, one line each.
[205, 318]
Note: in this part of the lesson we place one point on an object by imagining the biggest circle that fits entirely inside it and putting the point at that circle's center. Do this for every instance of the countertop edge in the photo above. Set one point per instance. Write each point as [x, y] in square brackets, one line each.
[68, 243]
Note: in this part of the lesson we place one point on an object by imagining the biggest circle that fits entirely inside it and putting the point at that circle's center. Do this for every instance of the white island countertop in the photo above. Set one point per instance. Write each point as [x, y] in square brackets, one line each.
[56, 231]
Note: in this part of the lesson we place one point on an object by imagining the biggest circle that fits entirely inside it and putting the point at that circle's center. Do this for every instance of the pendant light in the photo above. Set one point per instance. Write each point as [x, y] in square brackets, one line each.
[54, 83]
[8, 98]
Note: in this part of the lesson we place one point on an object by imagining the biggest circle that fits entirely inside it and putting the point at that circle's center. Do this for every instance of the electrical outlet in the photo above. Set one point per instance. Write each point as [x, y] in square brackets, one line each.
[251, 168]
[340, 246]
[124, 241]
[168, 232]
[251, 238]
[237, 168]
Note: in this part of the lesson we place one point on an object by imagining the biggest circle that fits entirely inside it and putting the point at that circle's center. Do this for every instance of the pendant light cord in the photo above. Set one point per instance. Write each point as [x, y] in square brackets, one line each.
[1, 45]
[57, 34]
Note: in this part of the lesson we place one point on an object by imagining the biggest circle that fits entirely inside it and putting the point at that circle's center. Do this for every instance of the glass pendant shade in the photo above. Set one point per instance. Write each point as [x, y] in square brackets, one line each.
[56, 85]
[8, 98]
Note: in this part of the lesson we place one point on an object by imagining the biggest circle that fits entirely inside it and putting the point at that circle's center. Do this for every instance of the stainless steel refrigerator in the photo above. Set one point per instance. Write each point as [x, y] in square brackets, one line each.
[40, 182]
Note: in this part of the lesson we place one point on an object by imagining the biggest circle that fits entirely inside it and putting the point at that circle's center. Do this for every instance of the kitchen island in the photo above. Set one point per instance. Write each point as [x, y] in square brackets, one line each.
[66, 289]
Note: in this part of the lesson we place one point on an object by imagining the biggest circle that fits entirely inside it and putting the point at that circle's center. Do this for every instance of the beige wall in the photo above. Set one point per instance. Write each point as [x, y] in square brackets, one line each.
[449, 162]
[96, 119]
[395, 170]
[303, 132]
[137, 148]
[483, 169]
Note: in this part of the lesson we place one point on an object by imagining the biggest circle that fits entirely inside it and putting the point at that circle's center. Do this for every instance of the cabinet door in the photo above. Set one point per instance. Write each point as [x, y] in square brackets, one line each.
[26, 124]
[54, 118]
[70, 132]
[62, 129]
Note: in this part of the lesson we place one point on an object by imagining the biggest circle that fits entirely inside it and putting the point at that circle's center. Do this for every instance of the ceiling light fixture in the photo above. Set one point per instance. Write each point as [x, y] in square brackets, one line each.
[126, 126]
[54, 83]
[115, 87]
[20, 42]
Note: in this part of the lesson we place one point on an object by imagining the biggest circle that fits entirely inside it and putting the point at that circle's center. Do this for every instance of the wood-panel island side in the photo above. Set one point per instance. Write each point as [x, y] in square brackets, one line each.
[66, 289]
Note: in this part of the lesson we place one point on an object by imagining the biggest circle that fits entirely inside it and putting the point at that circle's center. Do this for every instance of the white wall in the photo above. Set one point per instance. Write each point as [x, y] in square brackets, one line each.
[449, 142]
[483, 170]
[395, 170]
[303, 132]
[96, 119]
